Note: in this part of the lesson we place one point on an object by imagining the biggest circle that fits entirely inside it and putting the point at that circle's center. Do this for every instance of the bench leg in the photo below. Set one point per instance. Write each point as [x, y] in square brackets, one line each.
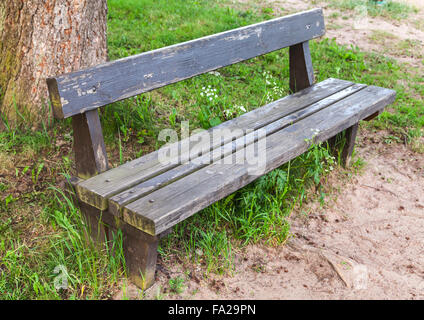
[97, 230]
[140, 251]
[350, 134]
[140, 248]
[346, 154]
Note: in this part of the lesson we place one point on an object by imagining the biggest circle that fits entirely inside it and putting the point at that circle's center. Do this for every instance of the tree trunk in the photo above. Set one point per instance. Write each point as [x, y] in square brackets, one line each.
[41, 38]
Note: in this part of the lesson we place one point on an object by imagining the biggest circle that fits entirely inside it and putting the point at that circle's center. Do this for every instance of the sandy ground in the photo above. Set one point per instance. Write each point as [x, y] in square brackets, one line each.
[366, 243]
[401, 39]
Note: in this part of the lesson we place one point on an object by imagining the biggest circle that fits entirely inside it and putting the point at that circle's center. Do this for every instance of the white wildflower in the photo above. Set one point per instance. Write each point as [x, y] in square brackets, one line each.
[215, 73]
[228, 113]
[241, 108]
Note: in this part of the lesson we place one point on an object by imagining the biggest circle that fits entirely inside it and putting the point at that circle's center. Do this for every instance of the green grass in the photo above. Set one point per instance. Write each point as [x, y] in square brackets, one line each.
[177, 285]
[34, 268]
[41, 227]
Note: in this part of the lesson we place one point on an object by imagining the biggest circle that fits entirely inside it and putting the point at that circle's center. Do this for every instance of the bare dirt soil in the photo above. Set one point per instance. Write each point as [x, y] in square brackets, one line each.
[366, 242]
[401, 39]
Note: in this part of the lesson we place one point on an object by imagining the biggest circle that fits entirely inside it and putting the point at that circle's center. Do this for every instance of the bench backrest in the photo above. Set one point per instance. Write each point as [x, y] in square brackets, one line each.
[79, 94]
[98, 86]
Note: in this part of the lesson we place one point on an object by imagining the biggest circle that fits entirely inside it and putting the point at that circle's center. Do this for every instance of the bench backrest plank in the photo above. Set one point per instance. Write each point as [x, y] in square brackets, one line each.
[88, 89]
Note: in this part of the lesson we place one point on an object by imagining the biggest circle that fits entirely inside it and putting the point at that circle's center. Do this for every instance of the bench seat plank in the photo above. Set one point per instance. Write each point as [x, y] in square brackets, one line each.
[96, 190]
[165, 207]
[153, 196]
[117, 202]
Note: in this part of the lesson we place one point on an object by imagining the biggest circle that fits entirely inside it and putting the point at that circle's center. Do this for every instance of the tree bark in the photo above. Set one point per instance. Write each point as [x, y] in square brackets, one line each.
[42, 38]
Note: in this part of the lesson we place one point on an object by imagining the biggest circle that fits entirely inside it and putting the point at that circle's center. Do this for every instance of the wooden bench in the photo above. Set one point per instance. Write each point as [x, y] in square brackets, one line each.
[146, 197]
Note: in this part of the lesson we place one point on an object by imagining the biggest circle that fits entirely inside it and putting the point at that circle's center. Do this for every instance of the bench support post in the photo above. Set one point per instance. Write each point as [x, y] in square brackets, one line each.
[346, 154]
[301, 69]
[350, 134]
[90, 160]
[89, 146]
[96, 228]
[140, 250]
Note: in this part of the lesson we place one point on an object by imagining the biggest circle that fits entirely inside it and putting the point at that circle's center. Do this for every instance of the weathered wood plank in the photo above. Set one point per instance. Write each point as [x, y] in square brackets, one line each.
[373, 115]
[96, 190]
[117, 202]
[350, 135]
[301, 69]
[98, 86]
[177, 201]
[89, 146]
[140, 250]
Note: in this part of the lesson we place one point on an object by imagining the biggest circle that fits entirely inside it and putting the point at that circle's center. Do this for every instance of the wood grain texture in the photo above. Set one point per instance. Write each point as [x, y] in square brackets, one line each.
[96, 229]
[301, 69]
[89, 146]
[177, 201]
[140, 250]
[97, 190]
[350, 134]
[117, 202]
[95, 87]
